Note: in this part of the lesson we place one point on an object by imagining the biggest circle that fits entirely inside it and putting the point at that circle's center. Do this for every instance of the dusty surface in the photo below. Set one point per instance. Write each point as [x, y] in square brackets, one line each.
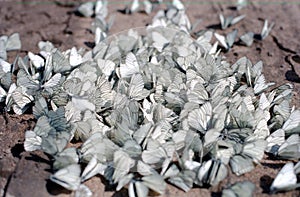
[26, 174]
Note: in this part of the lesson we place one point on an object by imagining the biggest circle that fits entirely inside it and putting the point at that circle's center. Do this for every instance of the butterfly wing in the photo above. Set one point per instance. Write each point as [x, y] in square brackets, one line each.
[285, 179]
[68, 177]
[130, 67]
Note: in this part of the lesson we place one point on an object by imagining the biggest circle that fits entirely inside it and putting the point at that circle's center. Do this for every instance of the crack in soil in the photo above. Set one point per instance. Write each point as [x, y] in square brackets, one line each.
[281, 47]
[7, 183]
[6, 119]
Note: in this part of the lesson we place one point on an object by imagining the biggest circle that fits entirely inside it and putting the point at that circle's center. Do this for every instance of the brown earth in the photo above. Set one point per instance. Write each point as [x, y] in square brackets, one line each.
[26, 174]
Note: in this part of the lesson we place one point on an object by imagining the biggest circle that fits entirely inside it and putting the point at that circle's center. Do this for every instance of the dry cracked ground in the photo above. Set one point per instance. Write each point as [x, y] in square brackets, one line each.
[26, 174]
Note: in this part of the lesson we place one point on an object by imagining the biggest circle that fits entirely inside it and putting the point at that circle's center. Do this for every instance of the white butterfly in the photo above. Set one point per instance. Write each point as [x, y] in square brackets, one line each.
[290, 149]
[100, 35]
[228, 41]
[286, 179]
[86, 9]
[199, 119]
[93, 168]
[40, 108]
[106, 66]
[204, 39]
[245, 189]
[275, 140]
[154, 153]
[65, 158]
[261, 85]
[97, 145]
[292, 124]
[155, 182]
[33, 86]
[75, 58]
[68, 177]
[83, 104]
[247, 38]
[3, 53]
[159, 41]
[282, 109]
[5, 66]
[130, 67]
[21, 98]
[52, 82]
[255, 149]
[103, 95]
[32, 141]
[178, 4]
[141, 135]
[132, 148]
[266, 30]
[45, 48]
[137, 189]
[151, 179]
[124, 181]
[2, 94]
[148, 6]
[145, 169]
[13, 42]
[297, 168]
[9, 99]
[59, 62]
[36, 60]
[197, 92]
[212, 173]
[264, 103]
[133, 8]
[241, 4]
[122, 163]
[136, 88]
[228, 21]
[83, 191]
[241, 164]
[101, 8]
[184, 180]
